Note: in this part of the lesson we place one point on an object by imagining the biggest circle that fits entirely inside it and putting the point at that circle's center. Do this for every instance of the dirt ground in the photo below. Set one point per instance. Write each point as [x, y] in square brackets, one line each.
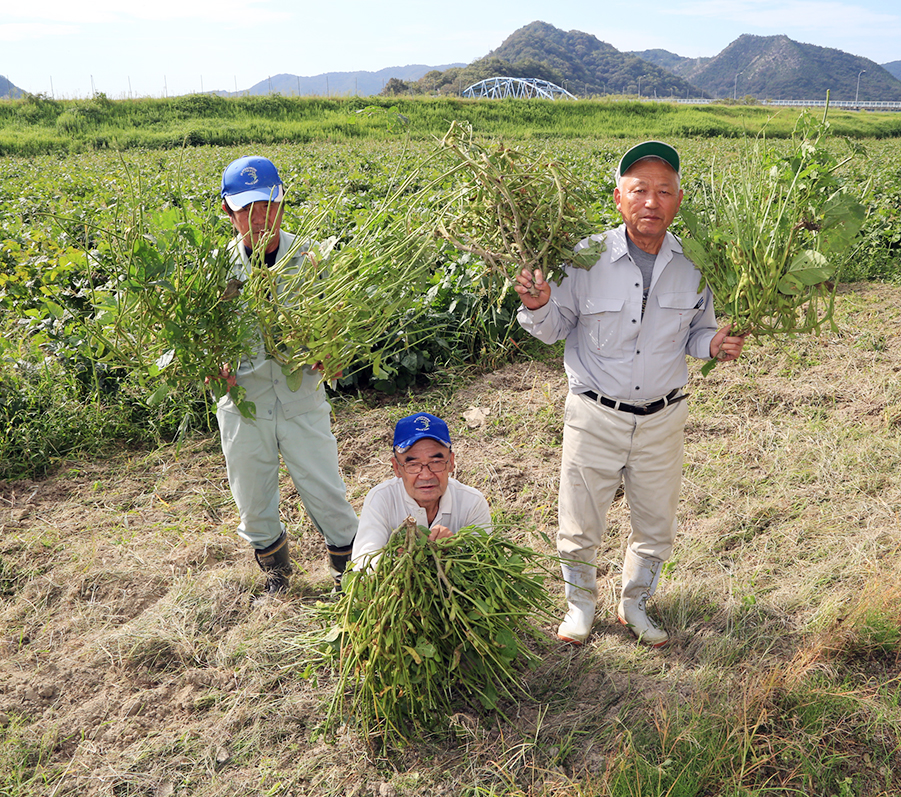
[94, 547]
[96, 557]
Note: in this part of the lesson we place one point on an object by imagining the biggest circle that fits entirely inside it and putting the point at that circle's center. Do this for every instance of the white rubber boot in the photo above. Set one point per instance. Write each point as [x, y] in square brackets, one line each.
[581, 589]
[640, 578]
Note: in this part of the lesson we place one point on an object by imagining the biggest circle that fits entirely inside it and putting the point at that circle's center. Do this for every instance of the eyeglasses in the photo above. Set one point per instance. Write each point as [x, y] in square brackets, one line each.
[415, 468]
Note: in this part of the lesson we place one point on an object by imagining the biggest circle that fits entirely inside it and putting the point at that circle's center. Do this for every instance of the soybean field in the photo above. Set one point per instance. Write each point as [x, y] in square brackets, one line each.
[134, 661]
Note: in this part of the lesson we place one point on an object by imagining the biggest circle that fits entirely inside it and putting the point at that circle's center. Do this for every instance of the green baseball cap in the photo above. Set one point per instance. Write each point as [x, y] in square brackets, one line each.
[648, 149]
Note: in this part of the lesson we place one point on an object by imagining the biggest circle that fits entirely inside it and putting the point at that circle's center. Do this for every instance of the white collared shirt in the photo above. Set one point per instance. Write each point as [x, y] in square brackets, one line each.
[611, 347]
[388, 505]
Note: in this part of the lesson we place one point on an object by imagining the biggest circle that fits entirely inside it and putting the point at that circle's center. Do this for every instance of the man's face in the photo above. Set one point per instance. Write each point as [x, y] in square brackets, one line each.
[648, 198]
[425, 487]
[258, 222]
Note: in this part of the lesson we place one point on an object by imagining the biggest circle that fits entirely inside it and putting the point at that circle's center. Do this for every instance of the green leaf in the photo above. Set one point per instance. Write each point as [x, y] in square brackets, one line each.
[293, 379]
[789, 285]
[588, 255]
[158, 395]
[697, 253]
[809, 268]
[426, 649]
[843, 219]
[506, 641]
[707, 367]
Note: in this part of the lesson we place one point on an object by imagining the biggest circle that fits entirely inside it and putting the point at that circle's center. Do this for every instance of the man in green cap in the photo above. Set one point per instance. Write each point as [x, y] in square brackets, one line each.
[629, 321]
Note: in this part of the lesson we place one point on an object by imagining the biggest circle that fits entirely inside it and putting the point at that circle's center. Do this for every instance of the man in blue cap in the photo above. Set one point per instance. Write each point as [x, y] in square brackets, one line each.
[629, 321]
[423, 489]
[292, 423]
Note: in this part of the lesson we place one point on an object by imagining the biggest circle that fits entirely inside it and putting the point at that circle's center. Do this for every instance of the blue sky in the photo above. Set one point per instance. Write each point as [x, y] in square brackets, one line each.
[169, 47]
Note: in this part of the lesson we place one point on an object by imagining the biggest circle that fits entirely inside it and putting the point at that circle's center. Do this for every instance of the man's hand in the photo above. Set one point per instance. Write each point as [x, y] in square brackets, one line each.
[321, 368]
[225, 372]
[725, 346]
[525, 282]
[439, 533]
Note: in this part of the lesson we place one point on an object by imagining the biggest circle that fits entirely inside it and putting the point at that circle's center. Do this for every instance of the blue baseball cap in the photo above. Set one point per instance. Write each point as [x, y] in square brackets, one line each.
[414, 428]
[251, 179]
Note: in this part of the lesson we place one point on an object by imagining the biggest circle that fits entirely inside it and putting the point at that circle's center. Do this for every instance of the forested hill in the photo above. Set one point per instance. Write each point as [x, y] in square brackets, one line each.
[8, 89]
[779, 68]
[588, 65]
[677, 64]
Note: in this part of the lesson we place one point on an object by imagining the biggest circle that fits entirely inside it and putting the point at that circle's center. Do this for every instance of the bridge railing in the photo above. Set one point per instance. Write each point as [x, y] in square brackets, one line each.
[884, 105]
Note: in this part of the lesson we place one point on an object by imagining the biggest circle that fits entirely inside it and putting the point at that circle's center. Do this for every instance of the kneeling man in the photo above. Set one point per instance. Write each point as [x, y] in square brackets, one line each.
[422, 489]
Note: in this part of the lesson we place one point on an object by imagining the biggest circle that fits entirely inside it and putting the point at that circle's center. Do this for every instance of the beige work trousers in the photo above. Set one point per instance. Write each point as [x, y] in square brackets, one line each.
[603, 447]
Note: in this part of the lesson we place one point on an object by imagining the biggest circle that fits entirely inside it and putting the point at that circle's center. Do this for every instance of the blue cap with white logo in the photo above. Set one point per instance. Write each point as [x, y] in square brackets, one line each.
[414, 428]
[251, 179]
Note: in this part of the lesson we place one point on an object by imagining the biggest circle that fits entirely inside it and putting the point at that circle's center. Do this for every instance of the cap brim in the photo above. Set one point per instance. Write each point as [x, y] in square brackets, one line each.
[412, 441]
[649, 149]
[242, 200]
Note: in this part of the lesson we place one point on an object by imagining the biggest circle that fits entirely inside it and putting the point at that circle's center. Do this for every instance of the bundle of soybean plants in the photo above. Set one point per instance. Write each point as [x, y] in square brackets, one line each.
[514, 208]
[170, 310]
[429, 624]
[177, 309]
[770, 234]
[353, 298]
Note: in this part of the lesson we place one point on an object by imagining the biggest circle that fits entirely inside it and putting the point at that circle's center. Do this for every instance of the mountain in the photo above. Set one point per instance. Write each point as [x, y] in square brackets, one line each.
[677, 64]
[340, 84]
[9, 91]
[894, 67]
[779, 68]
[589, 66]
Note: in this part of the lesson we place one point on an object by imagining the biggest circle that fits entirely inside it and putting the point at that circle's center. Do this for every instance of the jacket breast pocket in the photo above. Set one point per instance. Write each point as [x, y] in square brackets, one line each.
[603, 322]
[677, 311]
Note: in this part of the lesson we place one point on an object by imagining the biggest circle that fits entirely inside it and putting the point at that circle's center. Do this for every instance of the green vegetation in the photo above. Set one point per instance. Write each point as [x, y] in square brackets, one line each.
[429, 622]
[37, 125]
[770, 235]
[132, 659]
[73, 225]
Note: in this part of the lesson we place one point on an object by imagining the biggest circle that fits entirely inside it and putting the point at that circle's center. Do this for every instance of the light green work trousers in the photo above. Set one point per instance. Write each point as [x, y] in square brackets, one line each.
[310, 453]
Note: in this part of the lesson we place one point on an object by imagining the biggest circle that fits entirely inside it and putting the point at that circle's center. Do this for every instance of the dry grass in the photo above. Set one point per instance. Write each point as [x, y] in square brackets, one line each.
[133, 660]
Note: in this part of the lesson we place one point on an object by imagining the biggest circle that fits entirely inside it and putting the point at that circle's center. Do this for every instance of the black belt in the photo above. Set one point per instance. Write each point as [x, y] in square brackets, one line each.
[636, 409]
